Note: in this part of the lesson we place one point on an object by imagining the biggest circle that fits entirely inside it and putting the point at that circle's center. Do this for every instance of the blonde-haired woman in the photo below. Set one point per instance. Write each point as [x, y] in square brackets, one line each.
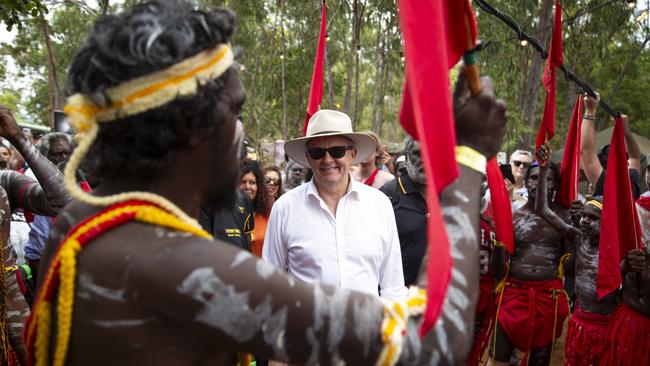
[368, 171]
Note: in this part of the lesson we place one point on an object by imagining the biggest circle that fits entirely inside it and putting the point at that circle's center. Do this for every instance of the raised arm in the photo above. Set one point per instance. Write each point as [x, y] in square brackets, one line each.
[541, 200]
[633, 150]
[588, 155]
[45, 197]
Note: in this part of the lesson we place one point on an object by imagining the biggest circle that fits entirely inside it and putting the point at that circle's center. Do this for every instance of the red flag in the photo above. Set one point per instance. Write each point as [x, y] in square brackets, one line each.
[547, 127]
[316, 89]
[433, 43]
[619, 223]
[501, 209]
[570, 169]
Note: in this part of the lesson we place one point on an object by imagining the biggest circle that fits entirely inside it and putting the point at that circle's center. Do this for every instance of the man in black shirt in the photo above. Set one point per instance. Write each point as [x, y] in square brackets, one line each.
[233, 224]
[407, 194]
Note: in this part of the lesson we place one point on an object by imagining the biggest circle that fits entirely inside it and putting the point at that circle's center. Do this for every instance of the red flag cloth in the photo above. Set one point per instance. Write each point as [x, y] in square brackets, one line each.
[316, 89]
[619, 223]
[547, 127]
[501, 209]
[570, 169]
[435, 36]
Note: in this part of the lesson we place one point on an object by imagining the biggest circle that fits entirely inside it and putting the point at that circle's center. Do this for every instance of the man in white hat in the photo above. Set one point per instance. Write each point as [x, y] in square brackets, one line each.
[333, 229]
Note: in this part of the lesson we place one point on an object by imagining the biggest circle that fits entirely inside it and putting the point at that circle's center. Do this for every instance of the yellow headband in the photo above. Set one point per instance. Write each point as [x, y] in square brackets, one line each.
[151, 91]
[595, 204]
[136, 96]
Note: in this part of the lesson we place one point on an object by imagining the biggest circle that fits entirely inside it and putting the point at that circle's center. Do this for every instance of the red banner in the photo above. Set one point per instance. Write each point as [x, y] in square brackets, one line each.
[547, 127]
[501, 208]
[570, 169]
[619, 223]
[316, 89]
[435, 37]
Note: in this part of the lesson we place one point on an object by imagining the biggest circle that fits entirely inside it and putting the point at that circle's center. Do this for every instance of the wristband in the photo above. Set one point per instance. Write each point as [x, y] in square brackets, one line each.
[589, 117]
[498, 244]
[471, 158]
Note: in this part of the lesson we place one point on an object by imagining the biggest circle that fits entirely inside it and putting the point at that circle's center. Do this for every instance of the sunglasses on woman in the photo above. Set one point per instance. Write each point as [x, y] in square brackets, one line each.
[271, 181]
[518, 163]
[336, 152]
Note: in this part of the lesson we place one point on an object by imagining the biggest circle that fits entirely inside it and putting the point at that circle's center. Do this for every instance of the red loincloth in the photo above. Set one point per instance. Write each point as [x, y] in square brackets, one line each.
[586, 338]
[628, 339]
[530, 309]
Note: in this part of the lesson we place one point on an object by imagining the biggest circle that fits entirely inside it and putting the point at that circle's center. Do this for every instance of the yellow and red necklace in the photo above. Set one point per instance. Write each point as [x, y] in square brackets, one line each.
[60, 277]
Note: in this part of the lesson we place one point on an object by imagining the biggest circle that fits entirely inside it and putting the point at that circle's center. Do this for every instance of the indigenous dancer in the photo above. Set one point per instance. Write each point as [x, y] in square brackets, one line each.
[136, 281]
[532, 304]
[628, 338]
[587, 332]
[20, 191]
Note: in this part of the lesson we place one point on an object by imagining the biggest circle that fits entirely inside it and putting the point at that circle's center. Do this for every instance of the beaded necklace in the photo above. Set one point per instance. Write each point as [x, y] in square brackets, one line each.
[60, 278]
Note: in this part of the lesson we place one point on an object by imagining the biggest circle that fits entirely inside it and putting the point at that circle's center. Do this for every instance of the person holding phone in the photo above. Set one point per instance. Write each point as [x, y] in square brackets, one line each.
[520, 161]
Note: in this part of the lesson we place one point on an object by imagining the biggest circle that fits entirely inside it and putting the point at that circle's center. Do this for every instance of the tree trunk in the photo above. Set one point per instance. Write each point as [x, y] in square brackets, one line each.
[385, 82]
[330, 82]
[379, 68]
[54, 90]
[532, 91]
[359, 9]
[284, 89]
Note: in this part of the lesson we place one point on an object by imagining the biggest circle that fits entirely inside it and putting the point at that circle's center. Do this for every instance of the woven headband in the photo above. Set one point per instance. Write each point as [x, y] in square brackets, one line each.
[595, 204]
[151, 91]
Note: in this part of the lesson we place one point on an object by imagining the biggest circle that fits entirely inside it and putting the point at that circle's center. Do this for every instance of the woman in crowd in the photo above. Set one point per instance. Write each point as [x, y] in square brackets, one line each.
[272, 190]
[368, 171]
[251, 182]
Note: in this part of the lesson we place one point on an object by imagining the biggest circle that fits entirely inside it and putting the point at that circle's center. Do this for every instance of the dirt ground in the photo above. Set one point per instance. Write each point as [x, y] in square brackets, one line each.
[557, 358]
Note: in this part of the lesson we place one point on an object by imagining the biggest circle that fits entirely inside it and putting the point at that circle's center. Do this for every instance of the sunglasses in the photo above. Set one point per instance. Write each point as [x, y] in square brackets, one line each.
[272, 181]
[518, 163]
[336, 152]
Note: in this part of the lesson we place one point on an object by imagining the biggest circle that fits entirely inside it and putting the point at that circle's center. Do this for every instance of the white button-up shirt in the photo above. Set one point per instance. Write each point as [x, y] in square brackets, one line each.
[358, 249]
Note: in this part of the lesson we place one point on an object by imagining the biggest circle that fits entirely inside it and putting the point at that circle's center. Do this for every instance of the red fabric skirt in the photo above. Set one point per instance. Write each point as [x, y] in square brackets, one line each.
[530, 310]
[586, 338]
[628, 339]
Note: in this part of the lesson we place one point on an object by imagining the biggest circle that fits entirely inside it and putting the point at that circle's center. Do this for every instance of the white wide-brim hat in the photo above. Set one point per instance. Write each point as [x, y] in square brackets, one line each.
[324, 123]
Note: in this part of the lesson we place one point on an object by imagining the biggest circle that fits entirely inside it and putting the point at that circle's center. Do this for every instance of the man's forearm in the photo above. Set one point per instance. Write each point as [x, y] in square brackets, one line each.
[460, 210]
[48, 175]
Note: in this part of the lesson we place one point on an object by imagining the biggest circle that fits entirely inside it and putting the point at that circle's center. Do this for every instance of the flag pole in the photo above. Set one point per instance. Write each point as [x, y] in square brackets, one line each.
[469, 58]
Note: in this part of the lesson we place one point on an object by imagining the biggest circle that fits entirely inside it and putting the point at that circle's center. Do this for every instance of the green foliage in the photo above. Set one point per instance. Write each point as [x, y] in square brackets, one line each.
[597, 46]
[600, 47]
[12, 12]
[68, 27]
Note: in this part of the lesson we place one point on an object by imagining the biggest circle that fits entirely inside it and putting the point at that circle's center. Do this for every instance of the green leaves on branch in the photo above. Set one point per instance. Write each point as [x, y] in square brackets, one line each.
[13, 12]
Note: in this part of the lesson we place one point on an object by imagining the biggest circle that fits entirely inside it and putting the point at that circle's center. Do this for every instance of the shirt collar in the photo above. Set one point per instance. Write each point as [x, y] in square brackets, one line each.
[353, 188]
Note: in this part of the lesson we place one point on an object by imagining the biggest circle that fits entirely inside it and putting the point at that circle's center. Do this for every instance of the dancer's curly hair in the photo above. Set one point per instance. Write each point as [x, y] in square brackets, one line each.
[151, 36]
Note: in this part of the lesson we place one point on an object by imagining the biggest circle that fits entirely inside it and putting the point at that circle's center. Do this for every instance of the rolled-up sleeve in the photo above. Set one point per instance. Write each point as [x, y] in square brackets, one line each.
[275, 249]
[391, 282]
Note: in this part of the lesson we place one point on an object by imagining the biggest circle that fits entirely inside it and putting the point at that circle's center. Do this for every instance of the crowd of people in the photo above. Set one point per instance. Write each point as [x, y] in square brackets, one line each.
[321, 260]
